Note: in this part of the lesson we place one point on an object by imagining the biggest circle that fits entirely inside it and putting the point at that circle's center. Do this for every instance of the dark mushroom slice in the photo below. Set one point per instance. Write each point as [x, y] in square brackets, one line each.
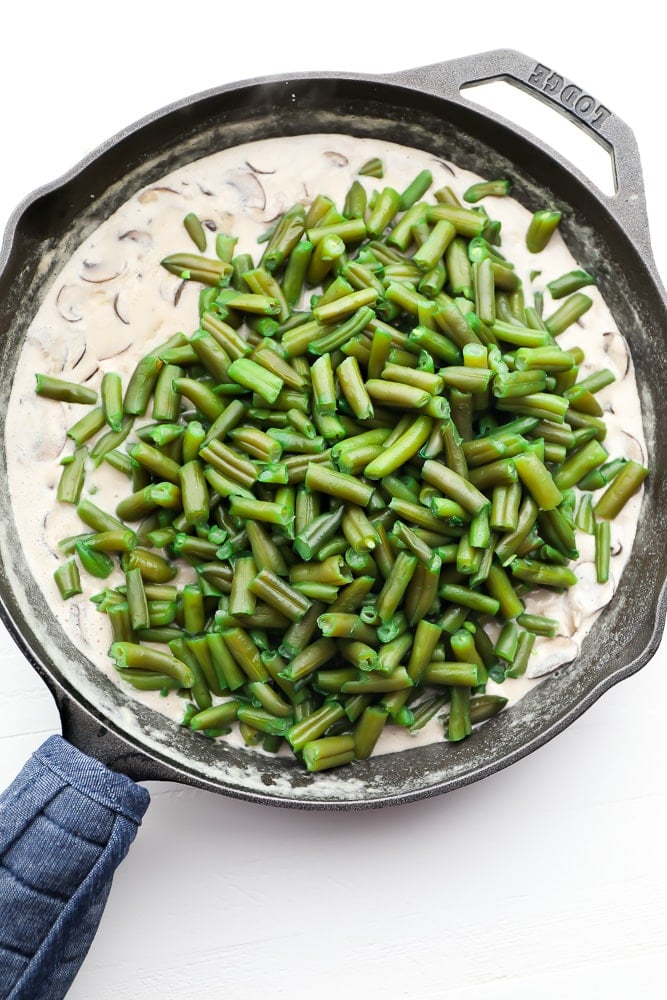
[70, 303]
[97, 271]
[635, 451]
[120, 309]
[615, 345]
[139, 236]
[256, 170]
[249, 190]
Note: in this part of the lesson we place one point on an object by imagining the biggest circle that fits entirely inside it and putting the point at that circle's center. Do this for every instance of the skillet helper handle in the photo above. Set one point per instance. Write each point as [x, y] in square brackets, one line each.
[66, 823]
[545, 84]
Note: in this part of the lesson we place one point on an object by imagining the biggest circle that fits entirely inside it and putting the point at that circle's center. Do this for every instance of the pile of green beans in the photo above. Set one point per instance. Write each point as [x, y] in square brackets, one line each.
[368, 452]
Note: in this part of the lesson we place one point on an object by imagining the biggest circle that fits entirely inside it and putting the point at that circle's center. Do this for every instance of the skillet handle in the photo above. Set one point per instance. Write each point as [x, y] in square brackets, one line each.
[66, 823]
[628, 205]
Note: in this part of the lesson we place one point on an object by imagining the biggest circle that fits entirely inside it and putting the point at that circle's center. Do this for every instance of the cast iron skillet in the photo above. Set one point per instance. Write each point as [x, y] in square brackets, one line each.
[425, 108]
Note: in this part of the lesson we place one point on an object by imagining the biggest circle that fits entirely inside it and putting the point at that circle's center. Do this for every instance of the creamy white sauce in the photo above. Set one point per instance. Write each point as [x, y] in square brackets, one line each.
[112, 302]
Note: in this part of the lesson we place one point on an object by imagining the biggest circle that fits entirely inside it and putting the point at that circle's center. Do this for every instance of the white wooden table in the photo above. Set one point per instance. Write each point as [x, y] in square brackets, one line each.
[546, 880]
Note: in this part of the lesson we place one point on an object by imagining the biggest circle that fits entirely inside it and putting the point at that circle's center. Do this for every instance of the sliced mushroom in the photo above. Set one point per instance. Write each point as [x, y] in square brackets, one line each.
[56, 525]
[80, 357]
[174, 289]
[105, 268]
[70, 303]
[274, 218]
[336, 158]
[256, 170]
[78, 363]
[635, 449]
[139, 236]
[120, 308]
[447, 166]
[118, 343]
[179, 291]
[75, 352]
[49, 437]
[246, 189]
[615, 346]
[152, 194]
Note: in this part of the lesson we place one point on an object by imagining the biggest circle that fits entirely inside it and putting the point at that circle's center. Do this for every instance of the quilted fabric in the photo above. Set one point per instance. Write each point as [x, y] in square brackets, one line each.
[66, 823]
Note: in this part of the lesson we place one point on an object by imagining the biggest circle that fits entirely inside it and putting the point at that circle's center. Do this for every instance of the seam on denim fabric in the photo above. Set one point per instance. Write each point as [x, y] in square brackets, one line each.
[74, 833]
[10, 949]
[54, 897]
[109, 801]
[118, 837]
[17, 797]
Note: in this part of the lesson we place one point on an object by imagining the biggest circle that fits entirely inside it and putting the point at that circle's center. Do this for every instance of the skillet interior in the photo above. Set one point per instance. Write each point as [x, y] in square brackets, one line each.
[55, 221]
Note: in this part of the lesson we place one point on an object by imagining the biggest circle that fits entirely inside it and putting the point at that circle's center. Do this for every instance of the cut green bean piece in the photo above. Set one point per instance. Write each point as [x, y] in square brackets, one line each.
[568, 313]
[72, 477]
[279, 594]
[570, 282]
[539, 624]
[310, 659]
[524, 649]
[252, 376]
[133, 656]
[378, 683]
[68, 580]
[96, 518]
[314, 725]
[415, 190]
[386, 206]
[241, 599]
[427, 636]
[194, 267]
[354, 390]
[543, 574]
[454, 486]
[372, 168]
[112, 399]
[459, 724]
[395, 585]
[485, 189]
[402, 450]
[328, 752]
[194, 492]
[66, 392]
[485, 706]
[141, 385]
[215, 716]
[626, 483]
[542, 227]
[136, 600]
[538, 480]
[338, 484]
[195, 231]
[602, 550]
[453, 673]
[368, 730]
[87, 426]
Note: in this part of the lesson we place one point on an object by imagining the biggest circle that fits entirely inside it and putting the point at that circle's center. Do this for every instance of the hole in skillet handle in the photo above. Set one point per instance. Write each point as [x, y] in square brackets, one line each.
[545, 123]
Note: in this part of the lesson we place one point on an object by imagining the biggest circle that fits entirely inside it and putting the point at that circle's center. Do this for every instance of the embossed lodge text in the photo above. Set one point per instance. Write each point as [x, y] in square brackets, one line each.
[556, 87]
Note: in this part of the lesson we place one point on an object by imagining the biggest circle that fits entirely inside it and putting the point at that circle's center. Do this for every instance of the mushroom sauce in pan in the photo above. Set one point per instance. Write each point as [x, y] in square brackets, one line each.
[113, 301]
